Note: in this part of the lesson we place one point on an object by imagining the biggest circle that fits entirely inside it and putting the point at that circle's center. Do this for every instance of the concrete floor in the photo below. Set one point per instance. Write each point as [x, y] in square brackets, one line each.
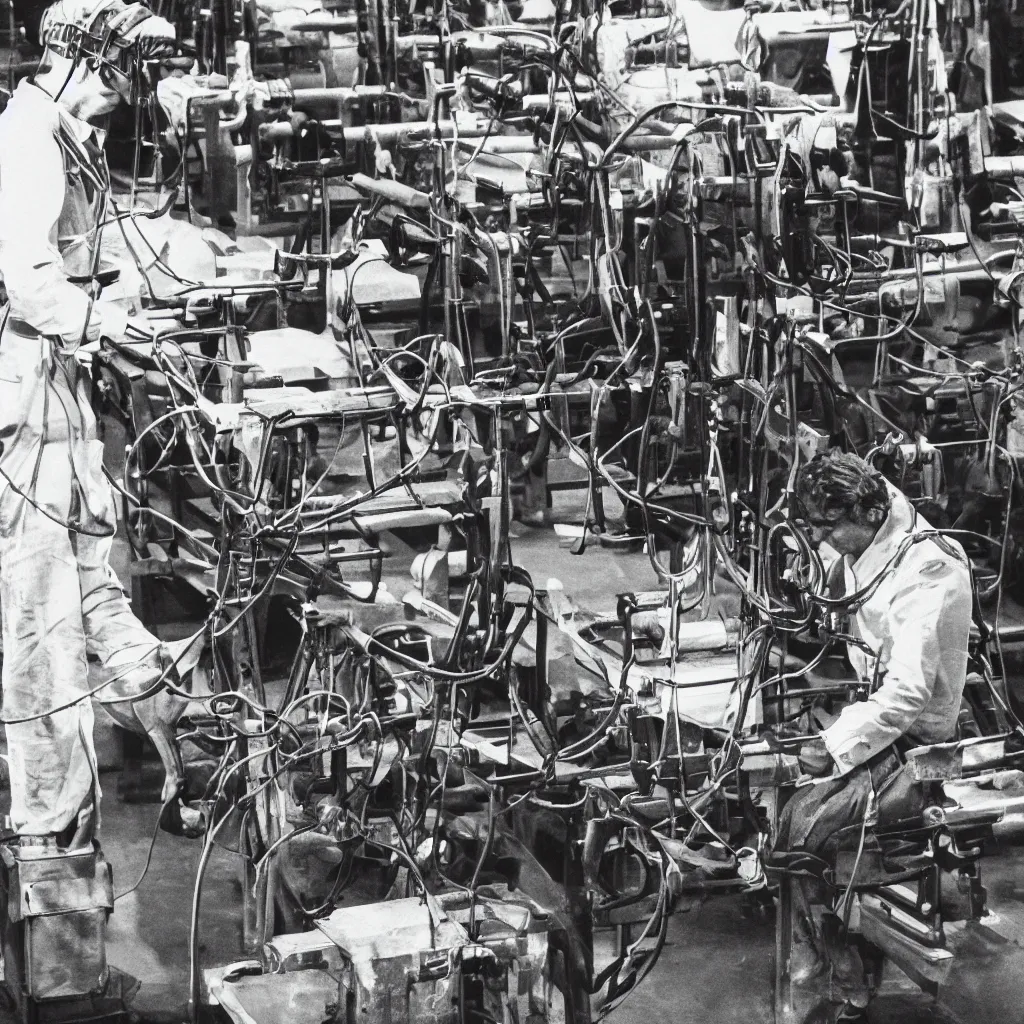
[716, 968]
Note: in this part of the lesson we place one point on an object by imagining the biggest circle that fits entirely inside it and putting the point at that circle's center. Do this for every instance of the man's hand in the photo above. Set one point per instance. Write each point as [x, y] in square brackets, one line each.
[815, 759]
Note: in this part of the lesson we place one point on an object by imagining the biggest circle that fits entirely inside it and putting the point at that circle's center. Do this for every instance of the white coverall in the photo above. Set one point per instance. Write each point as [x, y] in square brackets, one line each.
[919, 621]
[62, 605]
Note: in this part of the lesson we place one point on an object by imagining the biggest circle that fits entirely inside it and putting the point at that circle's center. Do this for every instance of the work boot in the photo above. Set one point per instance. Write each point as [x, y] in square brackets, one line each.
[806, 956]
[805, 964]
[827, 1012]
[849, 977]
[852, 1015]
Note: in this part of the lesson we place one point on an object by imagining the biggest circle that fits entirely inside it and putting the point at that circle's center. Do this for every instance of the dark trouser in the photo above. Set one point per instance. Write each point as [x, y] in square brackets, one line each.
[812, 822]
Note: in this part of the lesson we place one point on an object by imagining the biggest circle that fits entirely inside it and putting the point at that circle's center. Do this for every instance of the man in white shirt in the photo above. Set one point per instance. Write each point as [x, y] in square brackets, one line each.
[910, 597]
[62, 605]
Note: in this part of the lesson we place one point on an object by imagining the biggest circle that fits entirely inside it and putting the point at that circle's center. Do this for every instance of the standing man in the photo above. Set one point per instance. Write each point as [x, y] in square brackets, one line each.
[910, 594]
[62, 606]
[61, 602]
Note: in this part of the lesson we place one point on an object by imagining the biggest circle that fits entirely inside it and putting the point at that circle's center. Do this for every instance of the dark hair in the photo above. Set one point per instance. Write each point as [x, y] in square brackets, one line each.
[837, 483]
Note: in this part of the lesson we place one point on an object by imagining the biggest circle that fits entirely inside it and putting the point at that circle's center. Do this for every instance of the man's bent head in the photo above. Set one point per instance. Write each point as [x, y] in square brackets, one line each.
[841, 500]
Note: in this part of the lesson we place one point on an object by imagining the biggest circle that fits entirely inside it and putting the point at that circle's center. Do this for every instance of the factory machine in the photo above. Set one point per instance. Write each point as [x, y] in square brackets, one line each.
[397, 277]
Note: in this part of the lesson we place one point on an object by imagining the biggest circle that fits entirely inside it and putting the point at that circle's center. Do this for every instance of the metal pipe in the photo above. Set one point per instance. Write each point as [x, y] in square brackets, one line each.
[326, 23]
[392, 191]
[1004, 168]
[410, 131]
[543, 100]
[504, 144]
[648, 142]
[338, 94]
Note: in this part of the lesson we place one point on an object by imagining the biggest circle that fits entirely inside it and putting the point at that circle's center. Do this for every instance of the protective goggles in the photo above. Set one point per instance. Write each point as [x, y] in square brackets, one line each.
[107, 49]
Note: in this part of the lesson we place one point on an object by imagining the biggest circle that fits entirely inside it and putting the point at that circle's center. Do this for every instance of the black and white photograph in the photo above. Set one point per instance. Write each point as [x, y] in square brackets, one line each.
[512, 512]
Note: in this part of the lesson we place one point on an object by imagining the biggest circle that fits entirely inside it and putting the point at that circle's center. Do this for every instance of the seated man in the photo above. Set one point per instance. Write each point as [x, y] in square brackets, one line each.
[910, 596]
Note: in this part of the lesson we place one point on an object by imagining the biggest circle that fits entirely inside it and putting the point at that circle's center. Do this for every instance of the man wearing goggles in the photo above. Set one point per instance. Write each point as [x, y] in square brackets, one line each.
[62, 606]
[109, 41]
[910, 598]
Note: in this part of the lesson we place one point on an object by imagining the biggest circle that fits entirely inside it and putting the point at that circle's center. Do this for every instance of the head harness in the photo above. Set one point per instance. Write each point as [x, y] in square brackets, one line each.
[112, 39]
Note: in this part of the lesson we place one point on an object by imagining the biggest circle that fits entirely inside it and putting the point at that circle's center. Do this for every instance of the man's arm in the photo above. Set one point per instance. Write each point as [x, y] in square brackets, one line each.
[924, 618]
[32, 189]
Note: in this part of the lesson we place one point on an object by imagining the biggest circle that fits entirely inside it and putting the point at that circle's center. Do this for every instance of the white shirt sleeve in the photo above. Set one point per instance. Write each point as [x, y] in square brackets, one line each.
[916, 615]
[32, 190]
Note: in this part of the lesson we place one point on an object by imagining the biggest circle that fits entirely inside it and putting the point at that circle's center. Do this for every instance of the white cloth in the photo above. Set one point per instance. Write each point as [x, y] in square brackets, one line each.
[34, 199]
[62, 608]
[918, 621]
[61, 604]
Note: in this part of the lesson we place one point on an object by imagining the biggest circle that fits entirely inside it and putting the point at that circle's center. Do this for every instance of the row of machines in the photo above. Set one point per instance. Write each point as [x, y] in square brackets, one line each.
[394, 277]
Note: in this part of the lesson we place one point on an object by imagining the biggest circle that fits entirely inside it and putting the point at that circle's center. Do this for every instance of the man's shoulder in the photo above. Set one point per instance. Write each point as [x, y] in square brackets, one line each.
[935, 560]
[30, 115]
